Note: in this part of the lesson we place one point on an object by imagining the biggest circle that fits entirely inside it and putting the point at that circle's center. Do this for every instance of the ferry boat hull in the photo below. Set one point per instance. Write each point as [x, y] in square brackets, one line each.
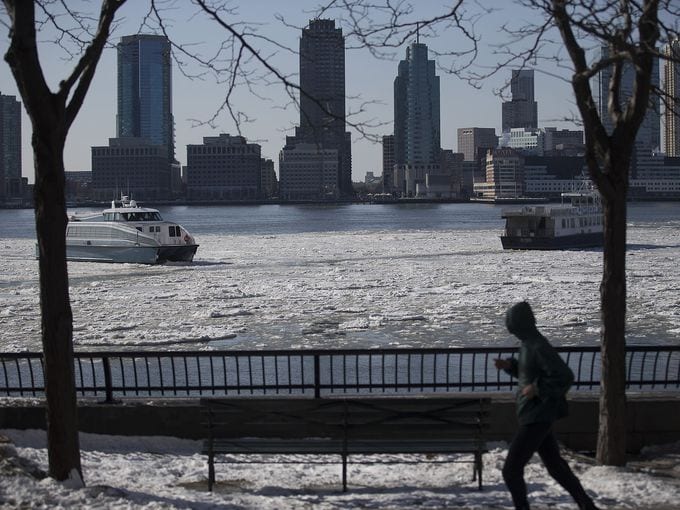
[574, 242]
[130, 254]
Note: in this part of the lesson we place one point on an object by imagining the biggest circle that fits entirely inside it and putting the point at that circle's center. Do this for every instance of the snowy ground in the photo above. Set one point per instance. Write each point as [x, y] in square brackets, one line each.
[345, 289]
[159, 472]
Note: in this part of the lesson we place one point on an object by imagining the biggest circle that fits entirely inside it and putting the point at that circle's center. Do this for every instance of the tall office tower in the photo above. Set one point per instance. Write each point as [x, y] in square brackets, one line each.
[10, 147]
[417, 134]
[388, 163]
[322, 97]
[522, 110]
[470, 140]
[145, 90]
[649, 135]
[671, 88]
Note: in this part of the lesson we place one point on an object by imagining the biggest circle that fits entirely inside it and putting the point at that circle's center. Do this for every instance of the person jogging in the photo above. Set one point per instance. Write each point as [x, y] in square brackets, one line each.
[543, 379]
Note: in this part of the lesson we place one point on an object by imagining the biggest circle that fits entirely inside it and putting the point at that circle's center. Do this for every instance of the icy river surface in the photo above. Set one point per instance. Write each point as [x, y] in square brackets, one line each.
[344, 276]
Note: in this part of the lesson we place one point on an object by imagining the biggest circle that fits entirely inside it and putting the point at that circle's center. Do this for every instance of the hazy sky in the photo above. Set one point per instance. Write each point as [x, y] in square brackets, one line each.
[368, 79]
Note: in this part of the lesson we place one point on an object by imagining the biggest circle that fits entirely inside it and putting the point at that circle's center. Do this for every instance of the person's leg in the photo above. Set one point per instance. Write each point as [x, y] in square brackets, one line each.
[523, 446]
[558, 468]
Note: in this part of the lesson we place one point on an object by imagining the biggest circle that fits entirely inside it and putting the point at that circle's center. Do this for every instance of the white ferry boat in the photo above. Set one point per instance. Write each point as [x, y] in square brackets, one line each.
[575, 223]
[128, 233]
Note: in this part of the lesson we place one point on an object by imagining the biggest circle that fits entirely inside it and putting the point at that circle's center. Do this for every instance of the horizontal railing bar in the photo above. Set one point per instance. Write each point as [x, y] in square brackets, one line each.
[321, 371]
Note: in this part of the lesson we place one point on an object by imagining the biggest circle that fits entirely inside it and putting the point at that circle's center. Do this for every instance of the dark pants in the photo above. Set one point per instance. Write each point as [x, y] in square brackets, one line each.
[539, 438]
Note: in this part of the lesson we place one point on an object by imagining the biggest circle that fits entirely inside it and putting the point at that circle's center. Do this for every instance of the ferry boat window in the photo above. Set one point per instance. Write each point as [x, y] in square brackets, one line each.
[118, 216]
[564, 223]
[108, 216]
[572, 223]
[174, 231]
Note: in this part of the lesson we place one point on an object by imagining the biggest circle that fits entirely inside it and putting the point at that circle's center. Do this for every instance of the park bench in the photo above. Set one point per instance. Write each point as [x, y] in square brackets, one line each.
[361, 425]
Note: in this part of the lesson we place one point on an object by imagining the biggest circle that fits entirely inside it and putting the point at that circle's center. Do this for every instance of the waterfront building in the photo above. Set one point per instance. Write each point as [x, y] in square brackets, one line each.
[522, 109]
[528, 141]
[145, 90]
[671, 90]
[131, 166]
[269, 184]
[11, 183]
[648, 139]
[78, 185]
[550, 176]
[417, 132]
[308, 172]
[504, 175]
[445, 181]
[322, 98]
[564, 142]
[224, 167]
[472, 139]
[388, 163]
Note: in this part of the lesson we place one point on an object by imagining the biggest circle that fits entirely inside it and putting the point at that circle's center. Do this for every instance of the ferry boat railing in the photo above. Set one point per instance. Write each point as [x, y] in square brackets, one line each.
[317, 373]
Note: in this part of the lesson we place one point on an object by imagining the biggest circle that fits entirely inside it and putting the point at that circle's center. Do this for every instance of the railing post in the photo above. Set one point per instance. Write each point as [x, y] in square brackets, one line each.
[107, 380]
[317, 377]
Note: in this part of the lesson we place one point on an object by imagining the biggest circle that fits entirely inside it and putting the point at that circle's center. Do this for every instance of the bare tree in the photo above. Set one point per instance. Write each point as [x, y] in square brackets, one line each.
[631, 32]
[52, 114]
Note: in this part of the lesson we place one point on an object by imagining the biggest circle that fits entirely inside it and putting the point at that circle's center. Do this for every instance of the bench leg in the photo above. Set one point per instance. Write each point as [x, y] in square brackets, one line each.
[344, 473]
[211, 472]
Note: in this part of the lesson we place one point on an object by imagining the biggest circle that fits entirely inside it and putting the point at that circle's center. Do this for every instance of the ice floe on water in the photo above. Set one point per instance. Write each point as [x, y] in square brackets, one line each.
[430, 288]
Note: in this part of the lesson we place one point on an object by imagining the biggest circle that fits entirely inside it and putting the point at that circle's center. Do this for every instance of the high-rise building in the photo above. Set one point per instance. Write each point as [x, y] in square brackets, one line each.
[322, 96]
[388, 163]
[671, 89]
[648, 137]
[522, 110]
[417, 132]
[10, 148]
[145, 90]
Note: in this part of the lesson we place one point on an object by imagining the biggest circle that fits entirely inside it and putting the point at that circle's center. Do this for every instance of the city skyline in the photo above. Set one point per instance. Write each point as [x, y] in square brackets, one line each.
[366, 76]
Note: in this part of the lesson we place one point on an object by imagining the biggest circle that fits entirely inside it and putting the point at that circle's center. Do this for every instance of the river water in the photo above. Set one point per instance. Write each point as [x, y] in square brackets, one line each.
[425, 275]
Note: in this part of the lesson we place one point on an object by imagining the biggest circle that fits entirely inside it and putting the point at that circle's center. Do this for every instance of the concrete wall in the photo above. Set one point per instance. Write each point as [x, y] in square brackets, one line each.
[652, 419]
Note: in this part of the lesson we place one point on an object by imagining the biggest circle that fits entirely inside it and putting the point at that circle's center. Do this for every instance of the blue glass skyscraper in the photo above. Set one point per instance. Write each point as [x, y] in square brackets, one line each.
[145, 90]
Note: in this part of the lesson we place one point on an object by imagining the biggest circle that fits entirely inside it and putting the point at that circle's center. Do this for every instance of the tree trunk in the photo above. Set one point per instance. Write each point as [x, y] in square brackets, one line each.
[57, 326]
[611, 443]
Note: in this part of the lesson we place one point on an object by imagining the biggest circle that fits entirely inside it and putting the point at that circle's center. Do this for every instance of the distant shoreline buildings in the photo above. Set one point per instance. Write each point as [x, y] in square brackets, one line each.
[315, 163]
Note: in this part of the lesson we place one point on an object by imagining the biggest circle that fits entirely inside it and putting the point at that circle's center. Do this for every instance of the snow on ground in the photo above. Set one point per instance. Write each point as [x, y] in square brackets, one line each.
[151, 473]
[345, 289]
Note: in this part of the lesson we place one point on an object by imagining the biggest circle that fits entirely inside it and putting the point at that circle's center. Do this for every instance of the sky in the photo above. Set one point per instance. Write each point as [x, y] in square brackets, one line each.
[369, 81]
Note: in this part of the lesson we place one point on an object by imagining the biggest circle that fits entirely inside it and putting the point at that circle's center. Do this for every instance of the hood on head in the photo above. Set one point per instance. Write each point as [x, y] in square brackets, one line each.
[519, 319]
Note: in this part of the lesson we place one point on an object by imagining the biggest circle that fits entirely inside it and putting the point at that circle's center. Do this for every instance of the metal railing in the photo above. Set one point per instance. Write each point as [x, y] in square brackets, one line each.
[316, 373]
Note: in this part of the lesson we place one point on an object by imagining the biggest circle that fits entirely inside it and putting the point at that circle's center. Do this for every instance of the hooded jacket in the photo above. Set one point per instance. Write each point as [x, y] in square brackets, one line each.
[538, 363]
